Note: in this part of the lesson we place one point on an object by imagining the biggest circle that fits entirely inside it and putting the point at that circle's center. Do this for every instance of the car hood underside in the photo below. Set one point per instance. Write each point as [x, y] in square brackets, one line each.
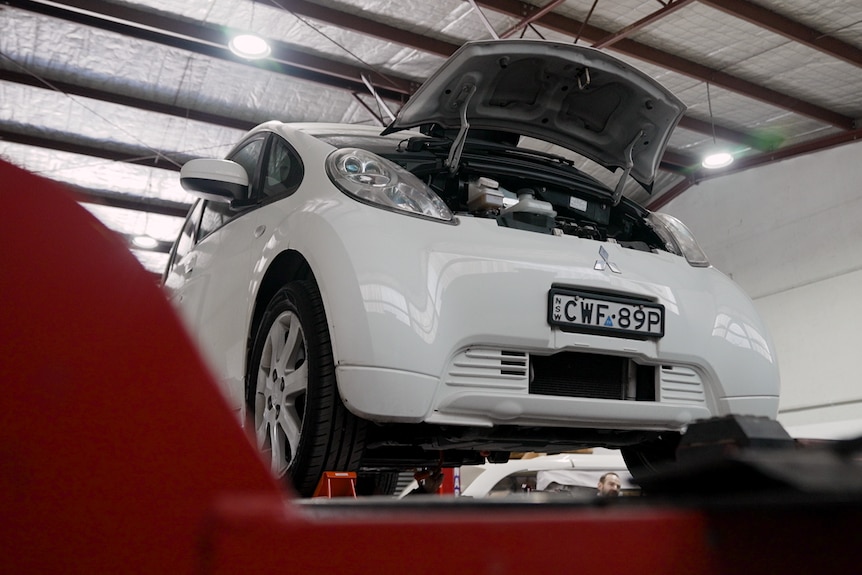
[576, 97]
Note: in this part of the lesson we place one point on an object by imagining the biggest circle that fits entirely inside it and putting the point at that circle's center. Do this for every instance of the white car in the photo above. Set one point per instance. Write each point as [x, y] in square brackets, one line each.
[377, 302]
[572, 473]
[575, 474]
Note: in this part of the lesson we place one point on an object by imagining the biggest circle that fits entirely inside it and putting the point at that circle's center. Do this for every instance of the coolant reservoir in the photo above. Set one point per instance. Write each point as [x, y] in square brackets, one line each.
[527, 202]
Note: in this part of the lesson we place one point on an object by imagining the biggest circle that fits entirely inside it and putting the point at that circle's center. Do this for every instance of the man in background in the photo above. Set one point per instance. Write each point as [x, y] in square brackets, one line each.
[609, 485]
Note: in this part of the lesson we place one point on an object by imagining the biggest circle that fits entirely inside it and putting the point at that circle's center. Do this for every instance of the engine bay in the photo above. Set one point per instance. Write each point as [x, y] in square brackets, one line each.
[530, 191]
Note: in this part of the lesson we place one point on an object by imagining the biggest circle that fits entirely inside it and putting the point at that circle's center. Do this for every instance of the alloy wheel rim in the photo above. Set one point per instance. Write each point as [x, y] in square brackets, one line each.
[282, 383]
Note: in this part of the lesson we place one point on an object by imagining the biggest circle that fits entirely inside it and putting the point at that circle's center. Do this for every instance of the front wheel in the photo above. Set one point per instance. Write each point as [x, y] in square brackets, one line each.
[301, 426]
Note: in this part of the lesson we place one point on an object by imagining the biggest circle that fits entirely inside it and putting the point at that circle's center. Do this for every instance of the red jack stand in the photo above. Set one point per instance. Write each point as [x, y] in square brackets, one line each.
[336, 484]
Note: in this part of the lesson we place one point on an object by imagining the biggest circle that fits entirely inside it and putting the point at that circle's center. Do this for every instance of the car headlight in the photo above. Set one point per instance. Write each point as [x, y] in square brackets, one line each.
[678, 238]
[369, 177]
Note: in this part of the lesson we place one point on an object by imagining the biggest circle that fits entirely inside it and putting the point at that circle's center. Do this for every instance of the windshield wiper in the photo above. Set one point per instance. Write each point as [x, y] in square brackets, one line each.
[473, 146]
[522, 152]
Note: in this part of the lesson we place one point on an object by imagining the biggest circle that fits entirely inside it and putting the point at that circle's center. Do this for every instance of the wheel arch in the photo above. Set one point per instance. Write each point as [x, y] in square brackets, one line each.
[287, 266]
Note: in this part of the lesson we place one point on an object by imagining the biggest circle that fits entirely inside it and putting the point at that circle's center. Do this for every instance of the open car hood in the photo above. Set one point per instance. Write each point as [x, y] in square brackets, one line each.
[576, 97]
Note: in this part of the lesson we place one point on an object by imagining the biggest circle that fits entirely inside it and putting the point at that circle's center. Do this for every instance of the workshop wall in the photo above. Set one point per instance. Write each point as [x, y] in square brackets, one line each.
[791, 235]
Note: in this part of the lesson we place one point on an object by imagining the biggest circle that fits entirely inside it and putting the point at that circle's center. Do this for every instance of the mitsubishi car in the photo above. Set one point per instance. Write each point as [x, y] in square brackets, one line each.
[438, 293]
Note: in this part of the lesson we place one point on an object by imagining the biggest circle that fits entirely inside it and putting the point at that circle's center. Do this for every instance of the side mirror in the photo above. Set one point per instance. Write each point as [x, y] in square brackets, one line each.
[216, 180]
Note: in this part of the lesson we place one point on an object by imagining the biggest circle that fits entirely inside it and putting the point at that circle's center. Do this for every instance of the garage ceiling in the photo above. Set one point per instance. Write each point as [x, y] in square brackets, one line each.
[113, 97]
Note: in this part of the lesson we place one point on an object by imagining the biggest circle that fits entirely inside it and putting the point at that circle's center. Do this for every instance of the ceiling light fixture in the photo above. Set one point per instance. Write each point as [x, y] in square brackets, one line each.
[716, 158]
[247, 45]
[145, 242]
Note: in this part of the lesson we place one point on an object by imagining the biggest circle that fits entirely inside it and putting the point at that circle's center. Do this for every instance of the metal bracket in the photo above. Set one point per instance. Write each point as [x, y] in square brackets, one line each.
[583, 78]
[485, 20]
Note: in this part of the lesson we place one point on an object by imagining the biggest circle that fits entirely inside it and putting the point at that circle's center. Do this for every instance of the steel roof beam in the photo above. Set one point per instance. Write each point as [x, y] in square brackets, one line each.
[144, 104]
[672, 193]
[108, 150]
[761, 143]
[677, 162]
[741, 164]
[532, 18]
[212, 41]
[668, 9]
[129, 201]
[790, 29]
[367, 27]
[125, 100]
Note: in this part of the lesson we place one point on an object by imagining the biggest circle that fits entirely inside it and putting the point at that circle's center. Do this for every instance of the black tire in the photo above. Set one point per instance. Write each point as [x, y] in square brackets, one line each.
[300, 424]
[646, 458]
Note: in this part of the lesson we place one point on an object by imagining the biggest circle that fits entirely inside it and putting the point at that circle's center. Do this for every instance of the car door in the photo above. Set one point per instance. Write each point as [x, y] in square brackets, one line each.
[177, 281]
[210, 283]
[217, 292]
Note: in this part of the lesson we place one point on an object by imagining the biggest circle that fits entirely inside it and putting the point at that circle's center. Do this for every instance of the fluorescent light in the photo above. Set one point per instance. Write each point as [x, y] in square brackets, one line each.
[249, 46]
[717, 160]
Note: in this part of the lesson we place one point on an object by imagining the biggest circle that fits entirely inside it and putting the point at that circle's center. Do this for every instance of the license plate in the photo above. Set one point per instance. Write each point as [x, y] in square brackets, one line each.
[572, 310]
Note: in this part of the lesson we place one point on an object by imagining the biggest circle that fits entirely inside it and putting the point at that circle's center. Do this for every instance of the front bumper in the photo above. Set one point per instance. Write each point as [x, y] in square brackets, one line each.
[409, 316]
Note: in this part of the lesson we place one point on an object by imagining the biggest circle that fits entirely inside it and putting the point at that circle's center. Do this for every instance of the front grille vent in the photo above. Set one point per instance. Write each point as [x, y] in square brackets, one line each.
[489, 368]
[681, 384]
[591, 375]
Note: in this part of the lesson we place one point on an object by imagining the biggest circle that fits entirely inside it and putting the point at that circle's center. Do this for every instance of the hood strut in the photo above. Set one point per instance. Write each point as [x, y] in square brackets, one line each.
[458, 145]
[618, 191]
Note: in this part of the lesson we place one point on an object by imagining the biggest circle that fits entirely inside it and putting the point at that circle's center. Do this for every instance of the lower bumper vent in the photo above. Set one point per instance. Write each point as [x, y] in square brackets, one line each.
[591, 375]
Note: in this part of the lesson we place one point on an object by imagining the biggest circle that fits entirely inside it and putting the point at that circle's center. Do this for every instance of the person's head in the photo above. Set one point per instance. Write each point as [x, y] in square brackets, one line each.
[609, 485]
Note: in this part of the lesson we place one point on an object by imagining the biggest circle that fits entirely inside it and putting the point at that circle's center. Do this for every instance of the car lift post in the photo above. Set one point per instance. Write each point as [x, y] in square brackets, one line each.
[119, 455]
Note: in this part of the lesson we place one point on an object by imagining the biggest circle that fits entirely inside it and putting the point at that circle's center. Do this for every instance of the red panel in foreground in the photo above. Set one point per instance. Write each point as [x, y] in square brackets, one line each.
[114, 441]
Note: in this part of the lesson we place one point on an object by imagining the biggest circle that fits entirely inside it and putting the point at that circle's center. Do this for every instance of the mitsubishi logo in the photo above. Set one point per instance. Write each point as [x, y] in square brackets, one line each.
[605, 262]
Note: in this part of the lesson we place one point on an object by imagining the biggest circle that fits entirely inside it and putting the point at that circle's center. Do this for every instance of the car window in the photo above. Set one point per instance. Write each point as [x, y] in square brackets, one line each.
[283, 171]
[186, 239]
[247, 156]
[216, 214]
